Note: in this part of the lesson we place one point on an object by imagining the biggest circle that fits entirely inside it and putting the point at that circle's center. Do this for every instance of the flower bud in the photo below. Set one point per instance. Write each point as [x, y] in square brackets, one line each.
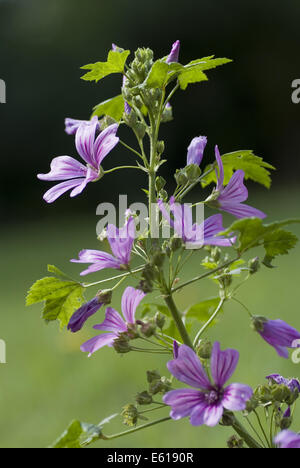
[175, 244]
[160, 146]
[258, 323]
[140, 130]
[145, 286]
[192, 172]
[204, 349]
[130, 415]
[251, 405]
[280, 393]
[148, 329]
[215, 254]
[287, 420]
[104, 296]
[228, 418]
[160, 320]
[181, 177]
[167, 115]
[143, 398]
[254, 265]
[153, 376]
[235, 442]
[158, 259]
[160, 183]
[262, 393]
[122, 345]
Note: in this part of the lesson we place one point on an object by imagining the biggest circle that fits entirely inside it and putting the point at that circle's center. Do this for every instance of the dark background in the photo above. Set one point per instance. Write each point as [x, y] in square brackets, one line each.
[245, 105]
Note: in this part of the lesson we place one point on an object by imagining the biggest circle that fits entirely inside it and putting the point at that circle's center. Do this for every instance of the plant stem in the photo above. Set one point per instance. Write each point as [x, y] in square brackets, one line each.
[136, 429]
[205, 275]
[178, 320]
[131, 149]
[212, 318]
[243, 433]
[118, 168]
[114, 277]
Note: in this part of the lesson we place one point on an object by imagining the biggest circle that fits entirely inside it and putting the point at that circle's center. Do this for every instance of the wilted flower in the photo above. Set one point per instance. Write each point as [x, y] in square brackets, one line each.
[79, 318]
[114, 323]
[206, 404]
[174, 54]
[276, 333]
[292, 384]
[196, 150]
[121, 242]
[231, 197]
[74, 174]
[194, 235]
[288, 440]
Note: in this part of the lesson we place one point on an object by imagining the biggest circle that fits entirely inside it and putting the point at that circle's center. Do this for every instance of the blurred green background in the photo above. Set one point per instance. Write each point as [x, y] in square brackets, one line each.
[47, 381]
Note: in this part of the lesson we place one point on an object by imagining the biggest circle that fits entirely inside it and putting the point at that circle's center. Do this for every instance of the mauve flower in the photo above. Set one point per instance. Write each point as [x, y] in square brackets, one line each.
[76, 175]
[288, 440]
[79, 318]
[196, 150]
[206, 401]
[292, 384]
[121, 242]
[231, 197]
[72, 125]
[174, 54]
[277, 333]
[114, 323]
[192, 234]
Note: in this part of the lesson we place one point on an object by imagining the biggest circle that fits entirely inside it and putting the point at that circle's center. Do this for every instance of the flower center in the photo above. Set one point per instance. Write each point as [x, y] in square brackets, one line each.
[212, 397]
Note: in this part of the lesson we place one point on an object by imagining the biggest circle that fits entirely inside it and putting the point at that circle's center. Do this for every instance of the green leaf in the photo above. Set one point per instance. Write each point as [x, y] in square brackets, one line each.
[161, 73]
[194, 71]
[113, 107]
[62, 296]
[203, 310]
[255, 168]
[115, 64]
[253, 233]
[80, 435]
[158, 75]
[189, 76]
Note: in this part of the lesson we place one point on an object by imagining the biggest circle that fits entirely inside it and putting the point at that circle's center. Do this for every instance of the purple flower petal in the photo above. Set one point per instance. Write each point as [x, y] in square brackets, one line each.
[104, 143]
[121, 240]
[235, 191]
[236, 396]
[188, 369]
[98, 259]
[130, 301]
[72, 125]
[287, 439]
[55, 192]
[182, 401]
[92, 345]
[241, 210]
[223, 364]
[84, 141]
[113, 322]
[210, 415]
[221, 169]
[196, 150]
[174, 54]
[64, 167]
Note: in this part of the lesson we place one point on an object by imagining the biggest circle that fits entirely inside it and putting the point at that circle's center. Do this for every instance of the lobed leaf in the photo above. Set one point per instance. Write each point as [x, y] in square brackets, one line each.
[113, 107]
[115, 64]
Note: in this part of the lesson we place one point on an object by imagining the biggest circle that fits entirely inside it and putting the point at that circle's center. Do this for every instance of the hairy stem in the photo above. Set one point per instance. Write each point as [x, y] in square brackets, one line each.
[178, 320]
[136, 429]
